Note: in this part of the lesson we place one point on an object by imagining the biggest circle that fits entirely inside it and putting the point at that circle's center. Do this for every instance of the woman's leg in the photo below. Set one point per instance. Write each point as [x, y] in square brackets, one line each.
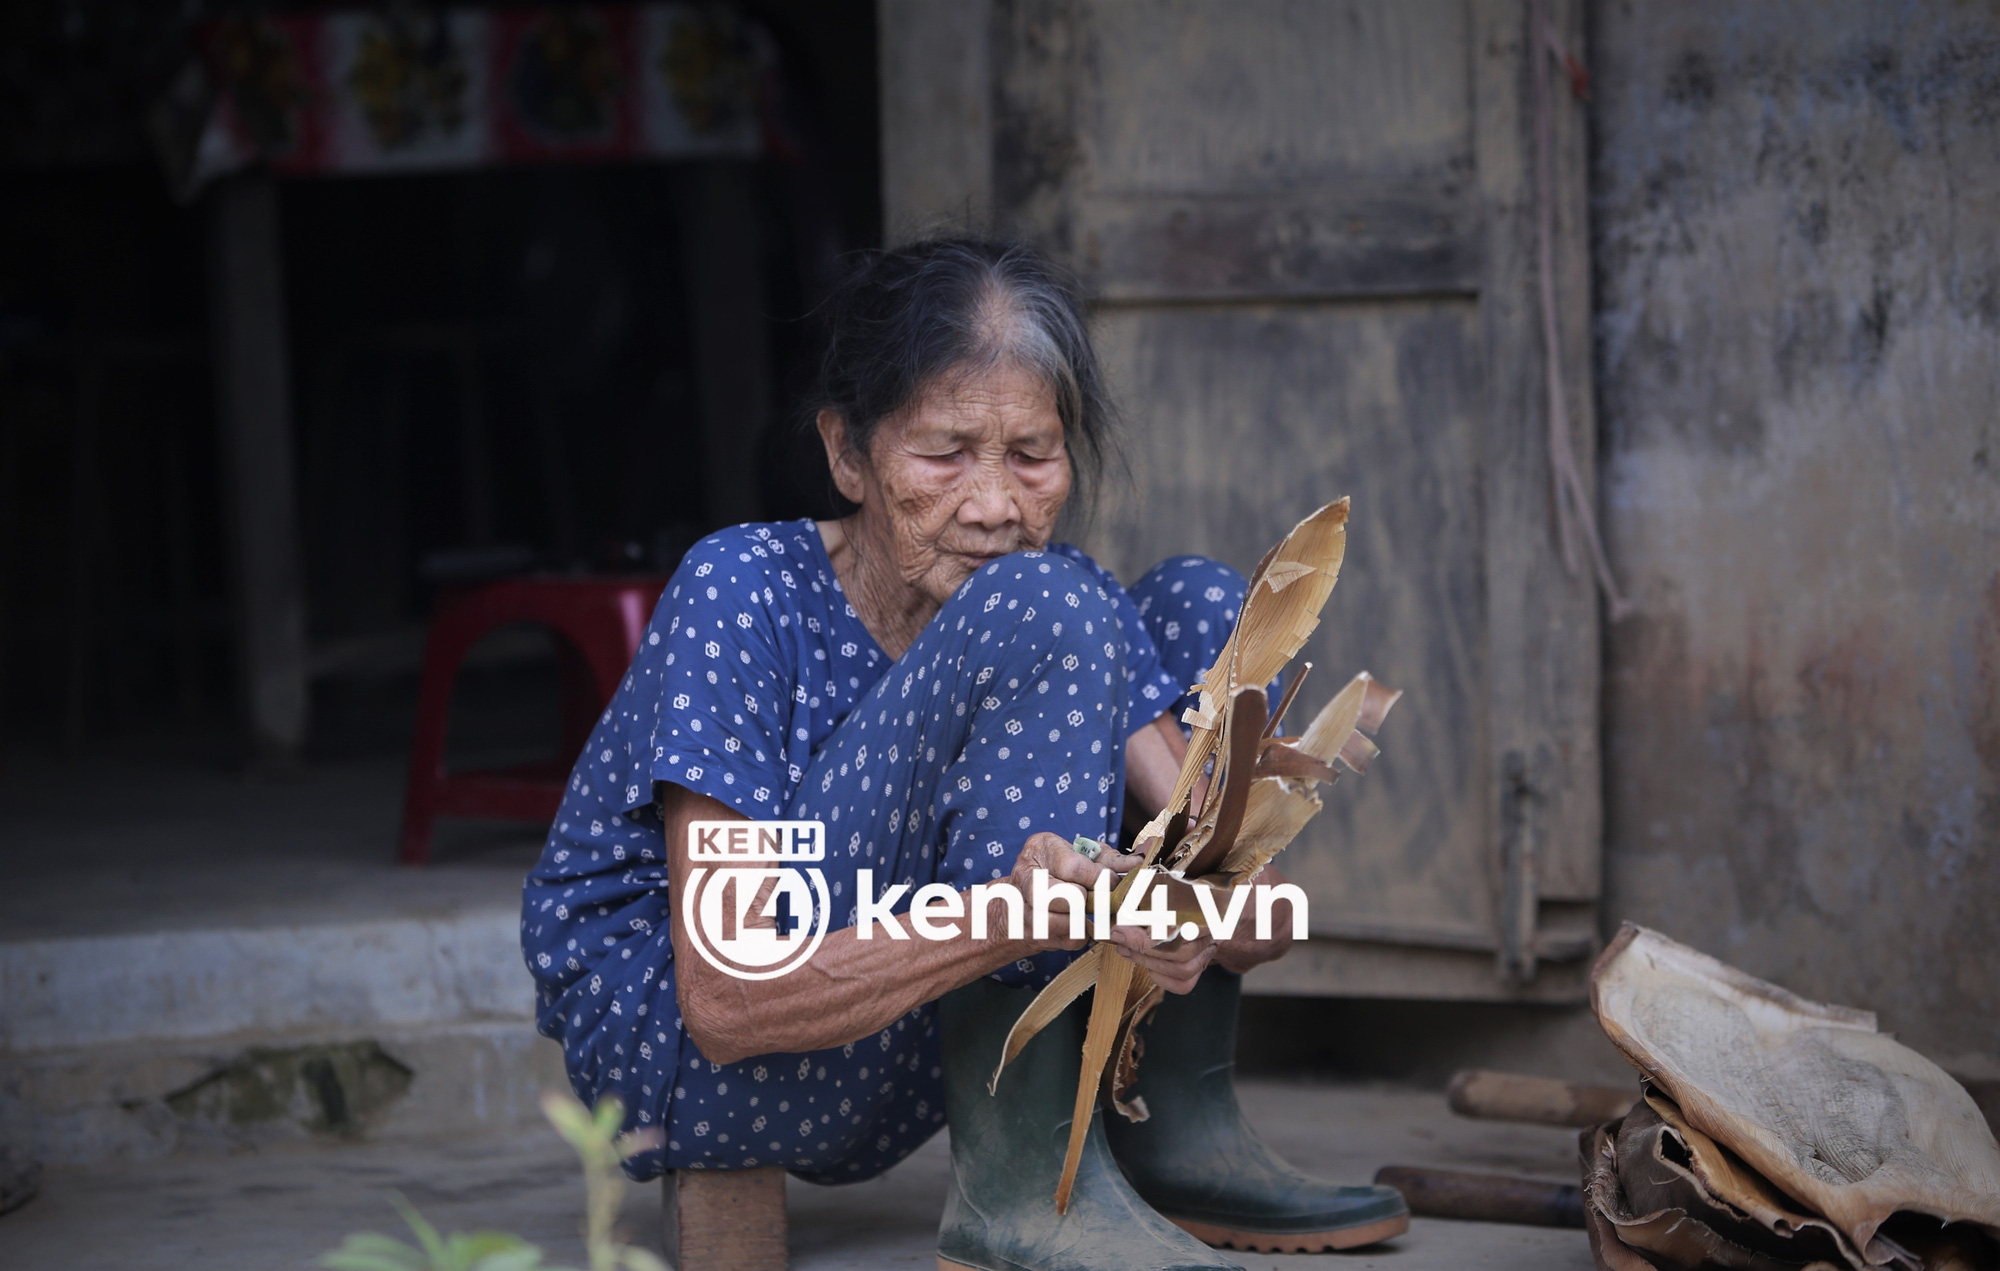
[999, 722]
[1189, 604]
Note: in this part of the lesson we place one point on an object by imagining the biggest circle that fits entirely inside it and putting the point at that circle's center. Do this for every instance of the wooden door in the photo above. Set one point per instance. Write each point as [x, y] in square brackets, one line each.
[1309, 231]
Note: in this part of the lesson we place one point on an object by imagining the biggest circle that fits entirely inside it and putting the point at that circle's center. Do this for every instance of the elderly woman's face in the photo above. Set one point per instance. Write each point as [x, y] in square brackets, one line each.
[975, 469]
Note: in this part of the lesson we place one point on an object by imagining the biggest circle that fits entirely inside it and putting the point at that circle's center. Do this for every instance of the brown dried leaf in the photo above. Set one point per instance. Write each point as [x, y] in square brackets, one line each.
[1361, 705]
[1625, 1240]
[1107, 1009]
[1357, 752]
[1736, 1186]
[1054, 998]
[1280, 759]
[1222, 815]
[1278, 617]
[1142, 1000]
[1279, 808]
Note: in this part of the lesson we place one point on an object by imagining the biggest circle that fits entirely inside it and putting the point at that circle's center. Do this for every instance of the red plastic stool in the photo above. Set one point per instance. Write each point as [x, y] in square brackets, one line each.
[597, 622]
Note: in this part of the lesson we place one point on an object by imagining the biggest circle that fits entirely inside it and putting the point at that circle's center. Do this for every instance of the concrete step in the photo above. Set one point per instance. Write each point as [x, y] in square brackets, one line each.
[218, 1095]
[141, 1045]
[270, 979]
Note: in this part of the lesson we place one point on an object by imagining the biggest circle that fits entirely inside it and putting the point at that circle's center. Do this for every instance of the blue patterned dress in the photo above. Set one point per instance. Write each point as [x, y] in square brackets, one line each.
[757, 685]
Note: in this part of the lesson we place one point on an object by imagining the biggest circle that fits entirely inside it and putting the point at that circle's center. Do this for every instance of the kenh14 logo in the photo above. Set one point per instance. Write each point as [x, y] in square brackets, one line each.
[737, 864]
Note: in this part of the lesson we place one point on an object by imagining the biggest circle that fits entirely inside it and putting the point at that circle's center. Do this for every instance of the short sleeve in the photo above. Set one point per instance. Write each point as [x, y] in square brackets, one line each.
[1153, 690]
[725, 682]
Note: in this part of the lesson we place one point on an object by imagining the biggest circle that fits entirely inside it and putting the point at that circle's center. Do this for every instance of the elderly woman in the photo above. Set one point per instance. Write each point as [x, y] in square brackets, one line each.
[955, 698]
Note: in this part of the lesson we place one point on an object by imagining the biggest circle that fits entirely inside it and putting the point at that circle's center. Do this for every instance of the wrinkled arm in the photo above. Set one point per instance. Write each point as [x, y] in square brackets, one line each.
[850, 988]
[1153, 763]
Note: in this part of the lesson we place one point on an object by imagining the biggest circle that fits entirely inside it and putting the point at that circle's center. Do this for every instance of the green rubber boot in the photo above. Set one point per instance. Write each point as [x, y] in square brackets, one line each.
[1007, 1152]
[1196, 1160]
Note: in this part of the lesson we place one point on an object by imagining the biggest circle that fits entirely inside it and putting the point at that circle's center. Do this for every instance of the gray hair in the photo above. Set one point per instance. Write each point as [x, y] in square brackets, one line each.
[906, 319]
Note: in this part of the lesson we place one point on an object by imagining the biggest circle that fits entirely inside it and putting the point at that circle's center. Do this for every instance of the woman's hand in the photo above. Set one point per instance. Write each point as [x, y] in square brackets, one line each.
[1175, 963]
[1064, 864]
[1244, 950]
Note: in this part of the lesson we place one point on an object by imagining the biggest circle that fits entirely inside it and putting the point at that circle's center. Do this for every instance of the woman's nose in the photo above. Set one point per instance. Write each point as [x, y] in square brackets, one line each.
[992, 501]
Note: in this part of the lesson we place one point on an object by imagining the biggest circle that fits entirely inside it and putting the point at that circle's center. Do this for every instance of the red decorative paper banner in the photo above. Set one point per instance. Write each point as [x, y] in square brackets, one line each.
[453, 88]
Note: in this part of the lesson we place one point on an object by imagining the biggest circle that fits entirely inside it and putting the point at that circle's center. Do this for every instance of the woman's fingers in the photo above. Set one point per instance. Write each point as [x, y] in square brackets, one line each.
[1172, 975]
[1065, 864]
[1174, 964]
[1120, 862]
[1244, 950]
[1172, 949]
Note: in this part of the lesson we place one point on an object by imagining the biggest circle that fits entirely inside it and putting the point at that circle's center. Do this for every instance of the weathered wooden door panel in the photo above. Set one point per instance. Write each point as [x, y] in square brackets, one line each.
[1308, 226]
[1262, 96]
[1244, 418]
[1172, 149]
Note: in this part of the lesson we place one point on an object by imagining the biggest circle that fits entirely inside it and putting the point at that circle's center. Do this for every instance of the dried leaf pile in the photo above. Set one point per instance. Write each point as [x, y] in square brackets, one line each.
[1775, 1132]
[1262, 793]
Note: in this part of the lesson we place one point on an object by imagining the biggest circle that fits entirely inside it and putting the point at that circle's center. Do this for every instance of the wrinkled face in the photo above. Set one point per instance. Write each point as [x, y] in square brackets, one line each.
[974, 469]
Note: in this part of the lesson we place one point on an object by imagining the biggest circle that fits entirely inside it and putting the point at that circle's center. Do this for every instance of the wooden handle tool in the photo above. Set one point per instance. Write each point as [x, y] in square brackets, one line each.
[1443, 1193]
[1510, 1096]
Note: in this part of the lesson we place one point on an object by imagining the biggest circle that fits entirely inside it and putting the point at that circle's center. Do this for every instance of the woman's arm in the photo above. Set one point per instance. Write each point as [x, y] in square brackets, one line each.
[851, 988]
[1153, 763]
[1152, 766]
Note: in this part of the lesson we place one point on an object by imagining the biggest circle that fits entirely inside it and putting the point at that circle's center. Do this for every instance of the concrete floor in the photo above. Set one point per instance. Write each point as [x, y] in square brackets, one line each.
[280, 1209]
[180, 842]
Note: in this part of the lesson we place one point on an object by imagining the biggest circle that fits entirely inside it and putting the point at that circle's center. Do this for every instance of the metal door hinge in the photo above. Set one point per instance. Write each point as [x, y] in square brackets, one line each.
[1520, 895]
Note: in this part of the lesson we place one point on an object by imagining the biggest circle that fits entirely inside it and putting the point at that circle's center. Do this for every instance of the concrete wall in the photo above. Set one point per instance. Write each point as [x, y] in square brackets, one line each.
[1797, 242]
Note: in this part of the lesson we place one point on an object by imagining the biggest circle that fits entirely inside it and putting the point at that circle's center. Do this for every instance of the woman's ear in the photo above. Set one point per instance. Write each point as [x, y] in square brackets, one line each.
[842, 458]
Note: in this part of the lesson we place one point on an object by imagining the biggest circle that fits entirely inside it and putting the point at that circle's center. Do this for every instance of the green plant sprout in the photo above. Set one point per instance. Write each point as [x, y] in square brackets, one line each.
[596, 1139]
[602, 1149]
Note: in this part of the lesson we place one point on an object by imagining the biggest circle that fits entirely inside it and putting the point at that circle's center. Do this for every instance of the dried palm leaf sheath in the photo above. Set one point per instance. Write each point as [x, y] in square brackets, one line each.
[1845, 1123]
[1222, 816]
[1054, 998]
[1665, 1163]
[1648, 1205]
[1280, 804]
[1625, 1236]
[1262, 793]
[1139, 1008]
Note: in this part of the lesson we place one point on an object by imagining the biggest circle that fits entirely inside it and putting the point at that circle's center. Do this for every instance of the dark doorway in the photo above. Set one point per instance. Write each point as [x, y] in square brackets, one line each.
[492, 371]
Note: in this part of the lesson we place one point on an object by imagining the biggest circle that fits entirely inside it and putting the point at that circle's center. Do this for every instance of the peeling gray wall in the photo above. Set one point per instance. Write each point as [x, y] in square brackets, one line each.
[1796, 215]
